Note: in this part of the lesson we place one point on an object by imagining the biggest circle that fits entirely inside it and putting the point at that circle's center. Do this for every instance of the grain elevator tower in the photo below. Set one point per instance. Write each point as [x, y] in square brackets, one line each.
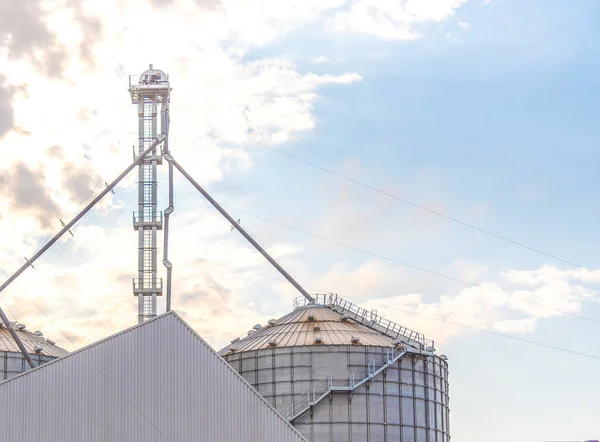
[151, 95]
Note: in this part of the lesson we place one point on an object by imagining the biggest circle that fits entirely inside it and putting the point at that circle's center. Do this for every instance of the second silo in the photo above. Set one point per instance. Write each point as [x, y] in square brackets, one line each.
[12, 361]
[340, 373]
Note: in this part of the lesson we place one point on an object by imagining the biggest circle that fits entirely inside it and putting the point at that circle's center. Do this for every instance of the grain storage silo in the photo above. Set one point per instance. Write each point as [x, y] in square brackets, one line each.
[341, 373]
[12, 361]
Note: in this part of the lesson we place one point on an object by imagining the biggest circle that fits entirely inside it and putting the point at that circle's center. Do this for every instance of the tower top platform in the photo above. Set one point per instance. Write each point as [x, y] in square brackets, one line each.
[153, 81]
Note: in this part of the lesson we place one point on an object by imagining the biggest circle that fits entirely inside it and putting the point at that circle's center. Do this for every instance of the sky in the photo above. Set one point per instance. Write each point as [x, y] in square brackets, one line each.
[473, 120]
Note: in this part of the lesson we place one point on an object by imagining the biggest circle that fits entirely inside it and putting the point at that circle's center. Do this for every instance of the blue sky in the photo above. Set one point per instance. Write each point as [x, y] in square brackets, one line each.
[489, 115]
[504, 116]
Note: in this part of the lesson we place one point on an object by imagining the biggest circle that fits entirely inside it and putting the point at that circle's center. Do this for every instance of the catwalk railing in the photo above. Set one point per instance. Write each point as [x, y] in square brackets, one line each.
[371, 319]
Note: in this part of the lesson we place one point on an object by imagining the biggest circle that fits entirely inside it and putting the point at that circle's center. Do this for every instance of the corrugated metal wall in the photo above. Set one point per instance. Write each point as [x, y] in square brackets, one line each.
[406, 403]
[154, 382]
[12, 363]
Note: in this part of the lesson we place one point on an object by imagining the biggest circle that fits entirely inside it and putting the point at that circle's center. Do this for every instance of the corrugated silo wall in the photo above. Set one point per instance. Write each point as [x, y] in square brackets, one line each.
[12, 363]
[408, 402]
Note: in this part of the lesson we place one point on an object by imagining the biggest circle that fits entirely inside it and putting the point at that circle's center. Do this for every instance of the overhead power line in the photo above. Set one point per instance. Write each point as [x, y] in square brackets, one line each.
[433, 318]
[491, 332]
[588, 355]
[387, 258]
[357, 249]
[421, 207]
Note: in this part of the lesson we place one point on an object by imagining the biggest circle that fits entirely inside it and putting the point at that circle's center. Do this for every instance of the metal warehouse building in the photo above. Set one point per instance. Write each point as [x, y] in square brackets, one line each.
[155, 382]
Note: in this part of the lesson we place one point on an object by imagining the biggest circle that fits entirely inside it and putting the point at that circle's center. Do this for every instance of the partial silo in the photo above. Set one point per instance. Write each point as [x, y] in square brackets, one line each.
[344, 374]
[12, 361]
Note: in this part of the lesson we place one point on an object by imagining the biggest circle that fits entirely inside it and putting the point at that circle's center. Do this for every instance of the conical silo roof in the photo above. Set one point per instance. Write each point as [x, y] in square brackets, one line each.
[325, 323]
[34, 342]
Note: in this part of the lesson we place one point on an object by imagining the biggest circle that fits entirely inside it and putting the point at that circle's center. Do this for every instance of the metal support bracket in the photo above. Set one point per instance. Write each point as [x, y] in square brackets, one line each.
[111, 191]
[29, 263]
[63, 224]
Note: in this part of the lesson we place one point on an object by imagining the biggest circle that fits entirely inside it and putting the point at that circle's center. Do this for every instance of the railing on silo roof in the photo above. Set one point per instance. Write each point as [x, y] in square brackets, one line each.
[370, 318]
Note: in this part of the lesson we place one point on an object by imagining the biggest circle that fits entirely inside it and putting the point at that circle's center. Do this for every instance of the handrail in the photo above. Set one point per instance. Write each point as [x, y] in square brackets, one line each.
[301, 405]
[369, 318]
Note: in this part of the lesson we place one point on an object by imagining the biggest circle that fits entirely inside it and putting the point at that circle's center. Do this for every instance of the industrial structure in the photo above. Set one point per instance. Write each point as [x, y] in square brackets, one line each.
[155, 382]
[341, 373]
[150, 93]
[13, 362]
[329, 371]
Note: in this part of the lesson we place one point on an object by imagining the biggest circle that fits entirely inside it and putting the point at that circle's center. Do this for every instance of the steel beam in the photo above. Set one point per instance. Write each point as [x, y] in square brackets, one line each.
[240, 229]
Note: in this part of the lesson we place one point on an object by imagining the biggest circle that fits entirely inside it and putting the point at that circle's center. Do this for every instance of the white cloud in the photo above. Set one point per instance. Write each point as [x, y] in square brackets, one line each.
[391, 19]
[464, 25]
[547, 273]
[79, 102]
[256, 22]
[490, 305]
[219, 100]
[432, 10]
[319, 60]
[515, 325]
[281, 250]
[84, 283]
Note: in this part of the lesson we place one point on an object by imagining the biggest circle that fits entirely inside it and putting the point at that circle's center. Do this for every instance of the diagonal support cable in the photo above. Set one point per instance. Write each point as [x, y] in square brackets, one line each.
[56, 237]
[240, 229]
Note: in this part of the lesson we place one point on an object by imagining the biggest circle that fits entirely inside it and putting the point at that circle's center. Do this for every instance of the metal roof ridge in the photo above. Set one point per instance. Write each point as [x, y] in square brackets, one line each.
[231, 369]
[79, 350]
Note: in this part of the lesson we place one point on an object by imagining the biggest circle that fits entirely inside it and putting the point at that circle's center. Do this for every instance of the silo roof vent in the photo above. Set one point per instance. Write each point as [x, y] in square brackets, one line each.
[257, 327]
[235, 340]
[38, 348]
[355, 339]
[316, 328]
[311, 317]
[318, 340]
[38, 333]
[50, 341]
[345, 318]
[251, 332]
[272, 322]
[273, 342]
[443, 357]
[20, 326]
